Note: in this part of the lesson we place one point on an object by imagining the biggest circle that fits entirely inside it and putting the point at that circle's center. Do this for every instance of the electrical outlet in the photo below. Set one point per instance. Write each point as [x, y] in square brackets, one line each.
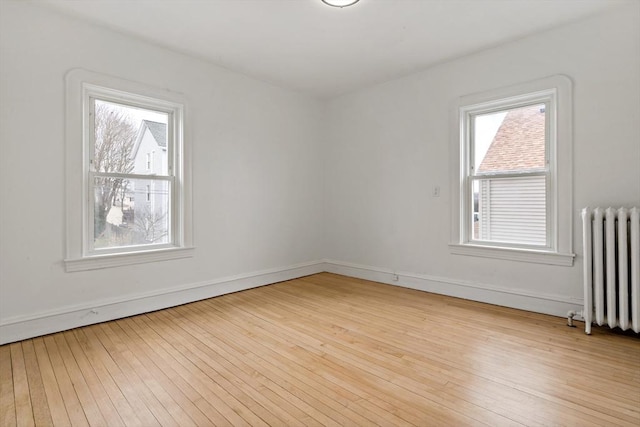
[435, 192]
[395, 277]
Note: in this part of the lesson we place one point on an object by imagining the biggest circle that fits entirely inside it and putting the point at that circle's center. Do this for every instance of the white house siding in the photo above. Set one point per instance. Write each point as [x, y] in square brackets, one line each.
[156, 206]
[159, 163]
[513, 210]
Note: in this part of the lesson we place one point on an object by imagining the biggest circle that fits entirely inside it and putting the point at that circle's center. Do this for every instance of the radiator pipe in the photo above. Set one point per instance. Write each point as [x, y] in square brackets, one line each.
[570, 315]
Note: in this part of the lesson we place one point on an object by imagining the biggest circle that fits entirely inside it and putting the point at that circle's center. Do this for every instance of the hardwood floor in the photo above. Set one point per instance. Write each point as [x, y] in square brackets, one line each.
[324, 350]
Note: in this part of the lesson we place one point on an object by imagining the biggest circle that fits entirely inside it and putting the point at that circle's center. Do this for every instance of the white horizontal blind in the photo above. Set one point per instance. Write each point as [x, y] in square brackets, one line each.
[513, 210]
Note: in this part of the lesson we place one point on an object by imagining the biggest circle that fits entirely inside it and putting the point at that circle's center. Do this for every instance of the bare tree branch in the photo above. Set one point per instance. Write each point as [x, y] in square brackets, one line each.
[151, 225]
[114, 139]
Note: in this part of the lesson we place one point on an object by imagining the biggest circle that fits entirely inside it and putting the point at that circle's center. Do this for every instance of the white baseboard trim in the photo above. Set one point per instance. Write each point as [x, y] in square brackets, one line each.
[556, 305]
[24, 327]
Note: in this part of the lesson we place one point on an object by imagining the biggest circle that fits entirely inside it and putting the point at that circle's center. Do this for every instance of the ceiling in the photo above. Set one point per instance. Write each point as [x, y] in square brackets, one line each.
[310, 47]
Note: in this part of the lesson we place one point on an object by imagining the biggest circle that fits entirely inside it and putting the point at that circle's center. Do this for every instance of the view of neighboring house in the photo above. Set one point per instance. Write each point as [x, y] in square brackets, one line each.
[150, 197]
[514, 209]
[140, 215]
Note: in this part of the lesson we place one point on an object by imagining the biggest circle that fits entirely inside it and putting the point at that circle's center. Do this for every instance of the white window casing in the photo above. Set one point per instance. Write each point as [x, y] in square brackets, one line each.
[542, 234]
[82, 88]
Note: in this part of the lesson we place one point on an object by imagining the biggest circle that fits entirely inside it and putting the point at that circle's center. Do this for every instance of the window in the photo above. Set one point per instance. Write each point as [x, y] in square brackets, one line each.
[134, 203]
[513, 164]
[508, 175]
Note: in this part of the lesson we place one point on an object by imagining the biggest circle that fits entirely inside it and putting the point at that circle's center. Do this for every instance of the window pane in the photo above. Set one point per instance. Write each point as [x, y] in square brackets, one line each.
[131, 212]
[510, 210]
[510, 140]
[130, 140]
[475, 211]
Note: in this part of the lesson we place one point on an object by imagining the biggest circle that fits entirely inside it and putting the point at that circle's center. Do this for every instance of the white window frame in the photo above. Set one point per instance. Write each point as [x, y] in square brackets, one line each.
[467, 115]
[555, 93]
[82, 88]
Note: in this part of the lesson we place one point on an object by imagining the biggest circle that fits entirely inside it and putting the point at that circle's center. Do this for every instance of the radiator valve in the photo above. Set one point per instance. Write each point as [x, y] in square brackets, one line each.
[570, 315]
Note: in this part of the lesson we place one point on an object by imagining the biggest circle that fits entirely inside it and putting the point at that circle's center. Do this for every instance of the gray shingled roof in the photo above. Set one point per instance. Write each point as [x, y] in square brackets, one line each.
[158, 130]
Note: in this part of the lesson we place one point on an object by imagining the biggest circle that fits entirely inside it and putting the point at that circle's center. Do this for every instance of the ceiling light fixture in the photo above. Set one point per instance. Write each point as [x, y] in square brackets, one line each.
[340, 3]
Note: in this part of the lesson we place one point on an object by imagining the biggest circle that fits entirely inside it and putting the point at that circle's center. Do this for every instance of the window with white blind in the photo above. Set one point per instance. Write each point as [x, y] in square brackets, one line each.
[513, 164]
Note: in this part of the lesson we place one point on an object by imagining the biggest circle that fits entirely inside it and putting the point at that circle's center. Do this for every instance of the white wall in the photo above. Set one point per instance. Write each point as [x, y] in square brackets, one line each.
[281, 180]
[388, 146]
[257, 181]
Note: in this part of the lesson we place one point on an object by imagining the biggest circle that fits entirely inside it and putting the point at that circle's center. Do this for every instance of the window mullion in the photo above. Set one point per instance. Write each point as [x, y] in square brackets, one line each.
[132, 176]
[496, 176]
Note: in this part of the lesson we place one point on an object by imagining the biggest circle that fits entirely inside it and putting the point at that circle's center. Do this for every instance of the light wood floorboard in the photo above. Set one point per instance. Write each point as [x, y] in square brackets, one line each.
[324, 350]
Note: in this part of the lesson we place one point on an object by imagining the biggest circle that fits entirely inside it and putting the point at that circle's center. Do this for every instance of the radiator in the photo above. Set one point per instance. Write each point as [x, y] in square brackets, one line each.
[611, 239]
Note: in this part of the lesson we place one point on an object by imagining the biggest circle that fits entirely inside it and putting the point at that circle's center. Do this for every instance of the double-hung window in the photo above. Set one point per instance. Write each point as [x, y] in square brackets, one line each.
[513, 173]
[127, 190]
[508, 179]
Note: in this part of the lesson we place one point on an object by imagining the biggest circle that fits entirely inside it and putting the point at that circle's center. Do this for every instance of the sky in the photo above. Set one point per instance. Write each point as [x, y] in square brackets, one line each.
[137, 115]
[486, 126]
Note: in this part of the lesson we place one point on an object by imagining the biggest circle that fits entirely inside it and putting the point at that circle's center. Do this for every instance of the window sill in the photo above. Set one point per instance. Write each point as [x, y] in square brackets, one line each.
[513, 254]
[129, 258]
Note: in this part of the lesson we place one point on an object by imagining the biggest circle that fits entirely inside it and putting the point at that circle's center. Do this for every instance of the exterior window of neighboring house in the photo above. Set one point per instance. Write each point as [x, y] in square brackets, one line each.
[514, 169]
[134, 202]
